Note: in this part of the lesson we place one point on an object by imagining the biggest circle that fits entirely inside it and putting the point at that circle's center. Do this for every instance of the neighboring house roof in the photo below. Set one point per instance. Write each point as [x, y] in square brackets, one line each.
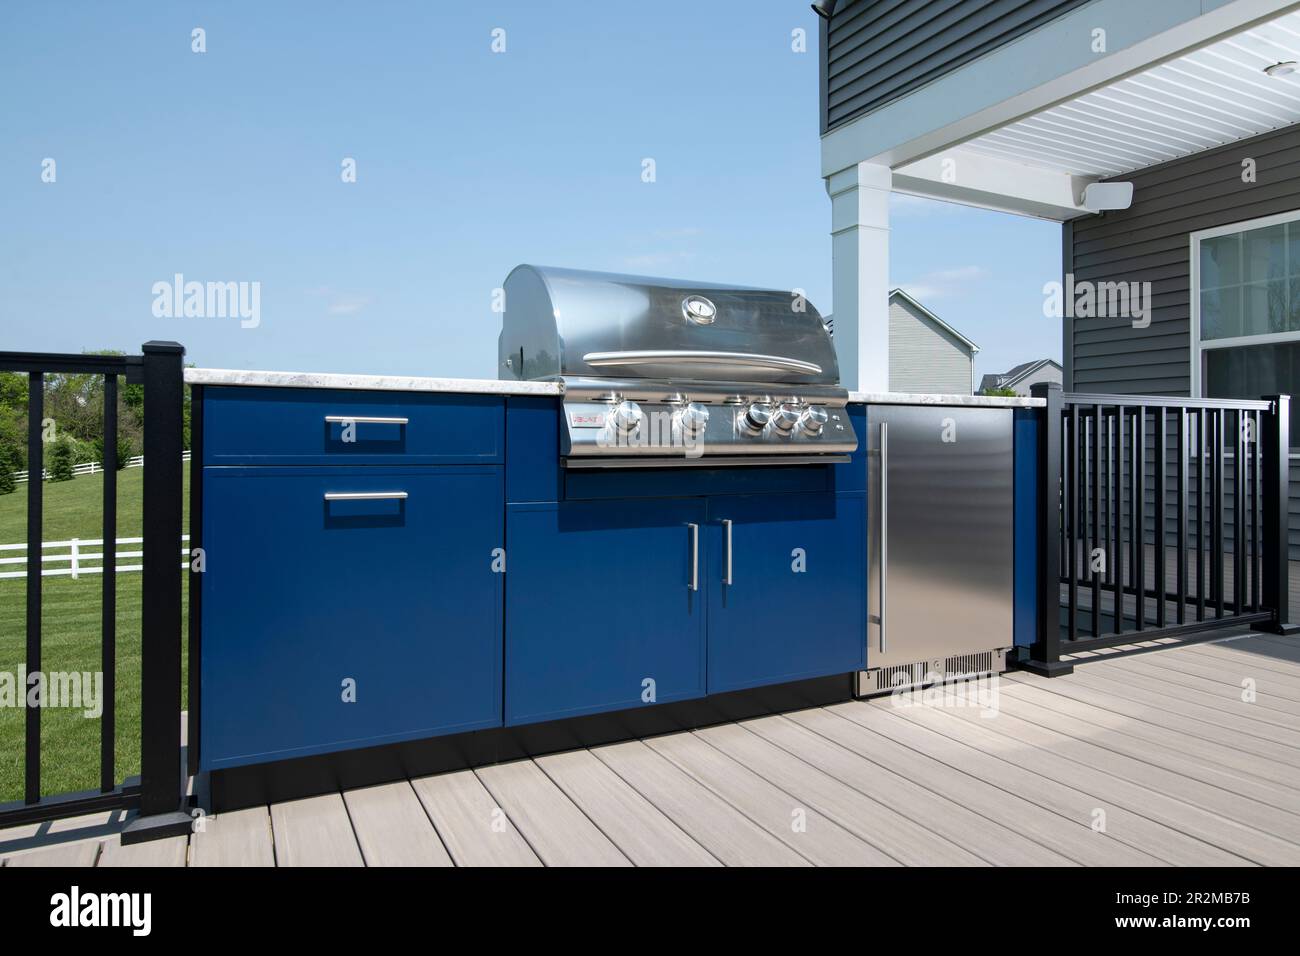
[900, 294]
[1010, 378]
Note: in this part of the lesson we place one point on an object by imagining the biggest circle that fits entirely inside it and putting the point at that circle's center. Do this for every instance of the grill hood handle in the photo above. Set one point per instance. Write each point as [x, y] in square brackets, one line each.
[692, 357]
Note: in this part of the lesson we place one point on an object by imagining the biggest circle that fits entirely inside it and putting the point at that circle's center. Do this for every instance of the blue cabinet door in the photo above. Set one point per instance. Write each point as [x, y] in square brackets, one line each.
[305, 596]
[795, 606]
[599, 609]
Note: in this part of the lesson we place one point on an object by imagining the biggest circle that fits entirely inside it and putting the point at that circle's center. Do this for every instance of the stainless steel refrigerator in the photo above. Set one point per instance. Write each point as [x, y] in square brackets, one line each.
[940, 542]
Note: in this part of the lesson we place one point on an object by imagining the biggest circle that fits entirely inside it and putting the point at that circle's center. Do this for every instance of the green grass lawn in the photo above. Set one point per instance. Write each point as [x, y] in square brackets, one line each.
[70, 628]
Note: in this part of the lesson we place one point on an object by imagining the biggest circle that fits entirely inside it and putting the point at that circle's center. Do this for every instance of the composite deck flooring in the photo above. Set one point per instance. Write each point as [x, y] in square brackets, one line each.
[1186, 756]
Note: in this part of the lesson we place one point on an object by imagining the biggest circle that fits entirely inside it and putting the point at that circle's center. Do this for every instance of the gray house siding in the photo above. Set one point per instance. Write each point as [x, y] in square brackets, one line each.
[1150, 242]
[874, 51]
[924, 358]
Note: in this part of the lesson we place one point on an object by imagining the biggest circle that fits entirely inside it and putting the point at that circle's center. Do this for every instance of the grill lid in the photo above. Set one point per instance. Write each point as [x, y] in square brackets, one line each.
[571, 323]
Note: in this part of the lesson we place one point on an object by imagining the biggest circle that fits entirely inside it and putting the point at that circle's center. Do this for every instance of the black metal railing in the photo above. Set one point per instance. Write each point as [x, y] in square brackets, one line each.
[1160, 517]
[158, 795]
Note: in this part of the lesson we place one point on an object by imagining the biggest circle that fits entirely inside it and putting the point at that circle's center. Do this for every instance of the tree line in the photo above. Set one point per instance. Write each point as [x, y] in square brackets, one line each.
[72, 426]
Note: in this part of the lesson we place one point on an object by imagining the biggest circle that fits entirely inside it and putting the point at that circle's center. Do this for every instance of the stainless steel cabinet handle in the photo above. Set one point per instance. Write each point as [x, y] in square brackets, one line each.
[726, 567]
[884, 527]
[364, 495]
[366, 420]
[695, 557]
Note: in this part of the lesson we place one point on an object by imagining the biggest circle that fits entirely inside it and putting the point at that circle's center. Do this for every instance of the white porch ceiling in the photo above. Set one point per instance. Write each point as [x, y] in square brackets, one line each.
[1214, 95]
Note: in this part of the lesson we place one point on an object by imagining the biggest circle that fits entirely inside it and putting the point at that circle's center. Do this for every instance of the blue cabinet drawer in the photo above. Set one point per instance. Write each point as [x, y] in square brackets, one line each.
[309, 590]
[599, 607]
[291, 426]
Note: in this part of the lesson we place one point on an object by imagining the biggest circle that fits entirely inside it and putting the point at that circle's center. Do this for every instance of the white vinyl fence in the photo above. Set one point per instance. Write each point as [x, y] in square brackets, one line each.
[75, 560]
[95, 467]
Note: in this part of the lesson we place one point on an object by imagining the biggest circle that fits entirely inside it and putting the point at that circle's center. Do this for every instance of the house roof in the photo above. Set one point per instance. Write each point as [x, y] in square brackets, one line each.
[1009, 378]
[899, 293]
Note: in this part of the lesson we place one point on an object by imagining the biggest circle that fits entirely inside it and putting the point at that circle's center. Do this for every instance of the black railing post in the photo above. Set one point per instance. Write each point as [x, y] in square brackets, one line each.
[1276, 441]
[1045, 654]
[161, 783]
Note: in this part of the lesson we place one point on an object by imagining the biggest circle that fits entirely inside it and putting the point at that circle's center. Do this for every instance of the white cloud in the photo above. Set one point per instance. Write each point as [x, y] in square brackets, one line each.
[942, 283]
[655, 260]
[338, 302]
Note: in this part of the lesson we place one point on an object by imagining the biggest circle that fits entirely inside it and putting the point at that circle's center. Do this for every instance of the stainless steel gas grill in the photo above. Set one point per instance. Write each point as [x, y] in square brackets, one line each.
[661, 372]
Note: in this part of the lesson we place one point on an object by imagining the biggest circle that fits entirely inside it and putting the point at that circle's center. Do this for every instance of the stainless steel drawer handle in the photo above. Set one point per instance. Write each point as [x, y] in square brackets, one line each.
[695, 557]
[365, 495]
[365, 420]
[726, 567]
[884, 527]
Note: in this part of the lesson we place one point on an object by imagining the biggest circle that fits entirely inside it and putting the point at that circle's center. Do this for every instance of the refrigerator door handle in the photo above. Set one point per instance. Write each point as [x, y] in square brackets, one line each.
[884, 527]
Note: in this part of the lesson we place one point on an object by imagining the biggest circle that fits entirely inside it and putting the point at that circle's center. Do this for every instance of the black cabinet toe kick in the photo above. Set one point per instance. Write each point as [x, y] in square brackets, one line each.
[259, 784]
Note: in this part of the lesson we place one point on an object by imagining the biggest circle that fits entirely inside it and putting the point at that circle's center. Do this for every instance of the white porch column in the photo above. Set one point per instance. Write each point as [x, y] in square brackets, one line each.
[860, 274]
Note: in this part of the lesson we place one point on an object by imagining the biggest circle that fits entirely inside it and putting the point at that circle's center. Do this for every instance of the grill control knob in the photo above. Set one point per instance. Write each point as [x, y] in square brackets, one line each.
[814, 420]
[625, 418]
[758, 415]
[693, 418]
[786, 417]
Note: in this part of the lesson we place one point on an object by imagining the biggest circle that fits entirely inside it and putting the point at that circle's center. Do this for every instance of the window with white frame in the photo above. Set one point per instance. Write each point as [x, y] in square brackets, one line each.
[1246, 311]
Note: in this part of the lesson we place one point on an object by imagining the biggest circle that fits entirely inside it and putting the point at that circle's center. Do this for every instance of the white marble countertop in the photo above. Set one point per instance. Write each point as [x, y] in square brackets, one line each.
[389, 383]
[970, 401]
[487, 386]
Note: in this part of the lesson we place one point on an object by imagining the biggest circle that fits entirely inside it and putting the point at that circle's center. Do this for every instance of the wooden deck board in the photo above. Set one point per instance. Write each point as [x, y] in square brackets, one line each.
[716, 825]
[956, 824]
[1088, 743]
[633, 823]
[1224, 709]
[1186, 830]
[557, 830]
[170, 851]
[1075, 797]
[1256, 653]
[1155, 739]
[238, 838]
[1272, 646]
[1222, 683]
[967, 778]
[1118, 700]
[795, 821]
[1185, 770]
[474, 829]
[82, 853]
[314, 832]
[1262, 832]
[392, 828]
[872, 819]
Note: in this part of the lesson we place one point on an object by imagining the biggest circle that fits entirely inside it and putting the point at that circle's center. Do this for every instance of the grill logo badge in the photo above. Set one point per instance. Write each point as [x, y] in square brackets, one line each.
[699, 310]
[587, 419]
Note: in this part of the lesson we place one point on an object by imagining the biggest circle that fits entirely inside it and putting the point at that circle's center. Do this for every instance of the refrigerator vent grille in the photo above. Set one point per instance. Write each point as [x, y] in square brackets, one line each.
[922, 672]
[965, 665]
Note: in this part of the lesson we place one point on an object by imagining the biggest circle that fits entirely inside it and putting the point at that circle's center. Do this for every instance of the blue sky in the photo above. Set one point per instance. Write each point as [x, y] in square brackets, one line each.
[225, 166]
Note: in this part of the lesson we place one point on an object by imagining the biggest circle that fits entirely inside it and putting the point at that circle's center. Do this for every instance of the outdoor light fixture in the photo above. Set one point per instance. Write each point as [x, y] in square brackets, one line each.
[1101, 196]
[824, 9]
[1285, 68]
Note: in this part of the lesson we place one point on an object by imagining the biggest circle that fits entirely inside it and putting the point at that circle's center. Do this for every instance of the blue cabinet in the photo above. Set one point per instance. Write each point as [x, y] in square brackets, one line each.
[601, 611]
[296, 426]
[795, 604]
[305, 591]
